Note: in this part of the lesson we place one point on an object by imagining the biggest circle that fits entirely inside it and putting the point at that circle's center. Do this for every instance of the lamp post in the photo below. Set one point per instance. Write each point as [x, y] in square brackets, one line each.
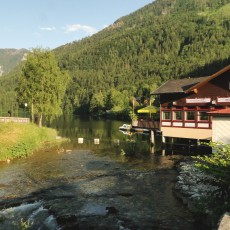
[25, 108]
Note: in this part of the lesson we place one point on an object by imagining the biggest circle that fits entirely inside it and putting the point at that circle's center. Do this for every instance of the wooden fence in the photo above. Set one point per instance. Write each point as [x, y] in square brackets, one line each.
[15, 119]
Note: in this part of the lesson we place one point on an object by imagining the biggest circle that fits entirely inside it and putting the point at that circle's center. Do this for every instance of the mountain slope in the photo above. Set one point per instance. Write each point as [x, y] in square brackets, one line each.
[163, 40]
[10, 58]
[166, 39]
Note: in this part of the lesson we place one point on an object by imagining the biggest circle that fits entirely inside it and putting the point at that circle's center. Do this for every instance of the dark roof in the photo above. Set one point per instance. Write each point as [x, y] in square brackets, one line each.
[179, 85]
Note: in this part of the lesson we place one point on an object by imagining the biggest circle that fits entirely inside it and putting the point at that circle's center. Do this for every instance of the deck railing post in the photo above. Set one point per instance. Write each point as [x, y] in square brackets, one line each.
[152, 138]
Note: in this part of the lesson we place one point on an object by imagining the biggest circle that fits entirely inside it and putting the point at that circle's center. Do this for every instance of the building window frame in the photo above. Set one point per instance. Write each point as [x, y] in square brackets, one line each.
[203, 116]
[178, 115]
[190, 115]
[166, 115]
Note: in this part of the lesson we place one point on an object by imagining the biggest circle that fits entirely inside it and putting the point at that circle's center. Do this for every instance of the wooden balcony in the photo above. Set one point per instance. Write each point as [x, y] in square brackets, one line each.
[149, 124]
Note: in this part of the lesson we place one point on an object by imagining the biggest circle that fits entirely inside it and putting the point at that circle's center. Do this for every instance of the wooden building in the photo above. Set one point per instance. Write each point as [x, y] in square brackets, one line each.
[185, 104]
[221, 126]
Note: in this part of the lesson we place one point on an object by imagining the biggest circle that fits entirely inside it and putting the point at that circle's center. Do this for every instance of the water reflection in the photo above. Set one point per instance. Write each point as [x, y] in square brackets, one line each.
[115, 142]
[130, 148]
[87, 128]
[107, 132]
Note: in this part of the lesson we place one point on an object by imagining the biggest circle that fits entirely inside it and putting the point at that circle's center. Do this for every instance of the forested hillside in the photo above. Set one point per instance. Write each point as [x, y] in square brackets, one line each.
[166, 39]
[9, 58]
[130, 58]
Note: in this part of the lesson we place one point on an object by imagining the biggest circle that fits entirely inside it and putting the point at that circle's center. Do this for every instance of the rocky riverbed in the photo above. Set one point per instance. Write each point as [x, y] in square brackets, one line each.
[81, 190]
[203, 195]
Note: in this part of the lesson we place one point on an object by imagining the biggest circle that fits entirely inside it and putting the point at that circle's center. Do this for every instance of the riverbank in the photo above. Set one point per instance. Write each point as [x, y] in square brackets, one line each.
[20, 140]
[204, 195]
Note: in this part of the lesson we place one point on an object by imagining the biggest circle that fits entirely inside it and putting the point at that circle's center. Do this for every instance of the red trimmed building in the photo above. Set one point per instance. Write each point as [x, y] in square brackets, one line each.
[187, 105]
[221, 125]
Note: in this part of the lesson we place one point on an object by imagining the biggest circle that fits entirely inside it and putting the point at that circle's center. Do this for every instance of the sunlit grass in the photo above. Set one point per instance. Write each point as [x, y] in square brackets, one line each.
[20, 140]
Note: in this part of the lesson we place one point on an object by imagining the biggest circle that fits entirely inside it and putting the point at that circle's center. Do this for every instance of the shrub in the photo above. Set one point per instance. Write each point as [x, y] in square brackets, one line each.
[218, 163]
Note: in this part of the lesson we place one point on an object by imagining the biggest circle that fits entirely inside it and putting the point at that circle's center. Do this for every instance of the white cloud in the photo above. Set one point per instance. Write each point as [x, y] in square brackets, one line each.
[48, 28]
[77, 27]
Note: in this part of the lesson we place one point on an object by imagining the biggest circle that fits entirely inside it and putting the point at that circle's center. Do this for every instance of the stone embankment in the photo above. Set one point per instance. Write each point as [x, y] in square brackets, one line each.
[200, 192]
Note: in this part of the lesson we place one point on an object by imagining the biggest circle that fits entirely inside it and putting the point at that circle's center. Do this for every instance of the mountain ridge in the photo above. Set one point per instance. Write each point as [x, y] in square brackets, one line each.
[163, 40]
[166, 39]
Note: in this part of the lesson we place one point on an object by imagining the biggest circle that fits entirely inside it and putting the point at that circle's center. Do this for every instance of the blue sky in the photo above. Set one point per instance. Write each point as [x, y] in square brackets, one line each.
[52, 23]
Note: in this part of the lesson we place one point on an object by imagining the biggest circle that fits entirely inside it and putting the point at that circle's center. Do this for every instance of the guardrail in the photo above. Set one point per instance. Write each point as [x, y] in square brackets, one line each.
[15, 119]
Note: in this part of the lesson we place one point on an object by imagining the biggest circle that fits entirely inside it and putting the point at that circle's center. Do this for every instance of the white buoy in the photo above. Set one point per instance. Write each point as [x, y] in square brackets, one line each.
[80, 140]
[96, 141]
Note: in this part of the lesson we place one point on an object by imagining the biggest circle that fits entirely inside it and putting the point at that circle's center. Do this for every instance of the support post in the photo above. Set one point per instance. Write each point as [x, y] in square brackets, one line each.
[163, 139]
[152, 139]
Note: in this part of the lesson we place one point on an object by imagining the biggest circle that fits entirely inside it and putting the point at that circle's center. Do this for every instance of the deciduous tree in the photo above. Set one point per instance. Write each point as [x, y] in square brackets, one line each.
[42, 84]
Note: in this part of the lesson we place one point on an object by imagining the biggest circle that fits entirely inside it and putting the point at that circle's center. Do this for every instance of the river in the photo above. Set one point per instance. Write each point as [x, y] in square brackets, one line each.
[101, 179]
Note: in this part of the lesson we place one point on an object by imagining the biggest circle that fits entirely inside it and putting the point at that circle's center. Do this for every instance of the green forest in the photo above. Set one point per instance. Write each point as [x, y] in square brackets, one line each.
[9, 58]
[118, 67]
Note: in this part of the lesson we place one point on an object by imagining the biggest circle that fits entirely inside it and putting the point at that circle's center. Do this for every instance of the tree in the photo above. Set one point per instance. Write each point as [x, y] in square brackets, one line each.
[117, 101]
[42, 84]
[97, 103]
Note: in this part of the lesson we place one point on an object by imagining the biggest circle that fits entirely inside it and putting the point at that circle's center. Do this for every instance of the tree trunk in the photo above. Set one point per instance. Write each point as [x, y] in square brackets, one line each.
[40, 120]
[32, 112]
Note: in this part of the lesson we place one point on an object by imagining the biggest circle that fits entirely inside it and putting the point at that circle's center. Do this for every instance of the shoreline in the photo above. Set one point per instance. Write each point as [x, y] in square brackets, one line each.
[203, 196]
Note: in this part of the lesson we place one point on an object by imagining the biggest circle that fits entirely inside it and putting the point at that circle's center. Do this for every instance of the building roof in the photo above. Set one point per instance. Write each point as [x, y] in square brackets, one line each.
[218, 73]
[187, 85]
[221, 111]
[179, 85]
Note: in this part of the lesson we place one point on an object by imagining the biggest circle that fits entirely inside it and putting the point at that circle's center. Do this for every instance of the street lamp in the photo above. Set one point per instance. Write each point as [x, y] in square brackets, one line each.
[25, 108]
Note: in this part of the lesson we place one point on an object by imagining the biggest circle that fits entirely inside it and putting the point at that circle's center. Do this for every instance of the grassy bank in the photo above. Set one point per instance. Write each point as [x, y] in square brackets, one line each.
[20, 140]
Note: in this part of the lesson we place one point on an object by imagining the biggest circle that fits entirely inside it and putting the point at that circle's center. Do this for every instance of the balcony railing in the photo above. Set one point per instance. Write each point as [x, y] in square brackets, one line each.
[150, 124]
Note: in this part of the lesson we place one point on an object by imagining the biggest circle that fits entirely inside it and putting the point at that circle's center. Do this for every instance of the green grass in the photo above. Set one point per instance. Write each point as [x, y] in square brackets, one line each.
[20, 140]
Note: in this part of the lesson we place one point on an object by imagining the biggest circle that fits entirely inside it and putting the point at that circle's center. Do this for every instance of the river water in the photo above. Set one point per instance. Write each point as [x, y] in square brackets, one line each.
[110, 181]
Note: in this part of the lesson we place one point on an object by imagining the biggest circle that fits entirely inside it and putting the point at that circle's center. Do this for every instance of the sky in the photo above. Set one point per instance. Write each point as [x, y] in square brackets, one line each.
[51, 23]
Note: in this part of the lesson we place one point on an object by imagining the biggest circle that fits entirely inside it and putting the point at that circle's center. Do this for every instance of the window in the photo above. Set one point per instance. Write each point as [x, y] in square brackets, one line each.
[203, 116]
[177, 115]
[166, 115]
[190, 115]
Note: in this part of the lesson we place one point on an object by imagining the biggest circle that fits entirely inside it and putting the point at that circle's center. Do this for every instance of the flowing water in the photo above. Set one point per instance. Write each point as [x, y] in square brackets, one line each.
[101, 179]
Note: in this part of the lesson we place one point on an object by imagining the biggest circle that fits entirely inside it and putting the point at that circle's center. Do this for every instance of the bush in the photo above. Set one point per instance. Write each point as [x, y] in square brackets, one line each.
[218, 163]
